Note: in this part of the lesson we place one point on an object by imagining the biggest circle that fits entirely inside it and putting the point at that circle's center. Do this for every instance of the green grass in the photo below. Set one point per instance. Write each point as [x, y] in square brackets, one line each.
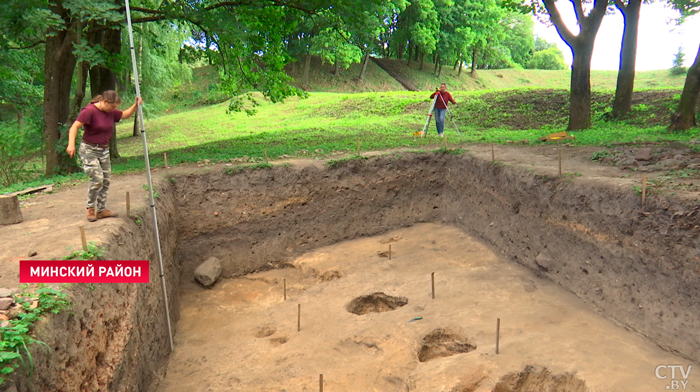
[328, 123]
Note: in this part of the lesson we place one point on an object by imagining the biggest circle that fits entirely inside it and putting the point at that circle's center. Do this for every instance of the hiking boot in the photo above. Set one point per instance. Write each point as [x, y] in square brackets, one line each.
[91, 215]
[105, 214]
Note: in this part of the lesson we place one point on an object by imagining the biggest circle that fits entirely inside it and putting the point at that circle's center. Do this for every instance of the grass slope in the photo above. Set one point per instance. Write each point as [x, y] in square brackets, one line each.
[321, 78]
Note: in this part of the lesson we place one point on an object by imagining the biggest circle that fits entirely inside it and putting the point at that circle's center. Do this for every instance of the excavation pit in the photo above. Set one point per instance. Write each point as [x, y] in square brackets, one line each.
[443, 343]
[539, 379]
[479, 226]
[375, 303]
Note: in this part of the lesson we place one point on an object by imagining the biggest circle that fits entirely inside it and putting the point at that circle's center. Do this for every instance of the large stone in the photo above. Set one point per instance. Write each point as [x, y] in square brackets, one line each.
[643, 154]
[544, 261]
[208, 272]
[6, 292]
[9, 210]
[5, 303]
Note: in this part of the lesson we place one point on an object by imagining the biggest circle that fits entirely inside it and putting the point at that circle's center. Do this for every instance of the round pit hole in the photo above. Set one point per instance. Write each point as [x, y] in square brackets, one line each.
[377, 302]
[539, 379]
[443, 343]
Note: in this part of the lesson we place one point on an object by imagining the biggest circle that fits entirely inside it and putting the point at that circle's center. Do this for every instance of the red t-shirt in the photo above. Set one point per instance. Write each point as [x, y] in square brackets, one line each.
[447, 97]
[98, 125]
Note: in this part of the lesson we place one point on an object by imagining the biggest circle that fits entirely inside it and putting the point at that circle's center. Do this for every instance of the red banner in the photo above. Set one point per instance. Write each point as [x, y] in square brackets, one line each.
[79, 271]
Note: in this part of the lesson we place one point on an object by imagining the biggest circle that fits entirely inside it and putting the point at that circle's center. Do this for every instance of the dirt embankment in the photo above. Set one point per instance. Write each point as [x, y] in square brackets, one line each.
[639, 268]
[114, 337]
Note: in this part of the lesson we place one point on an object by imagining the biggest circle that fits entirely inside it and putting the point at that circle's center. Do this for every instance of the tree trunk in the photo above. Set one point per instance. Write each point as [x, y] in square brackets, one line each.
[59, 63]
[436, 65]
[456, 63]
[580, 97]
[410, 54]
[103, 78]
[399, 51]
[628, 59]
[439, 70]
[307, 66]
[364, 67]
[685, 118]
[422, 57]
[475, 54]
[461, 65]
[80, 89]
[336, 72]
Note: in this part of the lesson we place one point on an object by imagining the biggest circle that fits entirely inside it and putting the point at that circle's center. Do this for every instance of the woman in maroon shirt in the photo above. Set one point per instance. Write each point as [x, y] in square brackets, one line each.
[98, 119]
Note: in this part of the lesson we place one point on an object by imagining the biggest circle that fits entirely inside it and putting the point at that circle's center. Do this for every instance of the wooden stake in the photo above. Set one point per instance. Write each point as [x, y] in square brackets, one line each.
[285, 289]
[320, 382]
[358, 147]
[493, 153]
[128, 204]
[299, 318]
[389, 251]
[498, 332]
[82, 237]
[445, 136]
[559, 150]
[266, 160]
[165, 159]
[644, 190]
[432, 281]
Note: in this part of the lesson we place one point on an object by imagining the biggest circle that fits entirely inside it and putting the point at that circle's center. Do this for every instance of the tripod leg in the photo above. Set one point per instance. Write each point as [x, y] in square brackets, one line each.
[451, 116]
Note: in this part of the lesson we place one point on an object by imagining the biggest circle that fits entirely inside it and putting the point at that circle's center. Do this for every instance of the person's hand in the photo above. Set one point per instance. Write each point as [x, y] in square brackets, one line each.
[139, 101]
[70, 150]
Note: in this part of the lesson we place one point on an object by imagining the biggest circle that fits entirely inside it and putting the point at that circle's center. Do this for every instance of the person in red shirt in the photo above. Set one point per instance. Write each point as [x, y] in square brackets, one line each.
[98, 119]
[440, 109]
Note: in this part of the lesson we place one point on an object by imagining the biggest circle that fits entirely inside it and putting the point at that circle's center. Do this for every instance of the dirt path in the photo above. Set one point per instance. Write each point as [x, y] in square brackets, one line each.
[242, 334]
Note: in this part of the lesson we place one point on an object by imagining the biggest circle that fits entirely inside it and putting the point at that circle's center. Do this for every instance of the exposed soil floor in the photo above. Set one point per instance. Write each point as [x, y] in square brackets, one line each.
[242, 335]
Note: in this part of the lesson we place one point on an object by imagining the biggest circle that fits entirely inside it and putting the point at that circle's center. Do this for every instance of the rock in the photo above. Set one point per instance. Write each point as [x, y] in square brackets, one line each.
[208, 272]
[643, 154]
[5, 324]
[668, 163]
[5, 303]
[6, 292]
[544, 261]
[4, 317]
[13, 312]
[650, 168]
[678, 157]
[32, 253]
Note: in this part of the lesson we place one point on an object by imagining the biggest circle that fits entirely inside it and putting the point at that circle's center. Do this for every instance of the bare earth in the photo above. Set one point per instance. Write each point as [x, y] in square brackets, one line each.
[242, 335]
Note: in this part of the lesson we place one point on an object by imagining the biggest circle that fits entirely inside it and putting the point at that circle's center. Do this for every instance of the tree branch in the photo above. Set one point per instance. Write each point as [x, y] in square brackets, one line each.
[578, 9]
[555, 18]
[620, 6]
[26, 47]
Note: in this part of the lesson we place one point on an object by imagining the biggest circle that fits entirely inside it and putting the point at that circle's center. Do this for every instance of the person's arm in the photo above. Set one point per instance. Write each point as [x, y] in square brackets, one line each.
[130, 111]
[452, 100]
[72, 134]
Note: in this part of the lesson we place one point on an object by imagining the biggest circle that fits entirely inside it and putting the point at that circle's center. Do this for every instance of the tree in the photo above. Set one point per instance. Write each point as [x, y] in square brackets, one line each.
[519, 37]
[628, 57]
[550, 58]
[684, 117]
[582, 48]
[678, 67]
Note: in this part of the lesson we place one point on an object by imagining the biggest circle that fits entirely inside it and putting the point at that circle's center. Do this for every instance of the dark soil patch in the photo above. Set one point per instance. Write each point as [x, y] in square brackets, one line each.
[533, 379]
[443, 343]
[377, 303]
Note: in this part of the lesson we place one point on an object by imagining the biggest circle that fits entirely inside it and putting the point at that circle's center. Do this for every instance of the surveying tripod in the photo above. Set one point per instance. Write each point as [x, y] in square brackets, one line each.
[430, 114]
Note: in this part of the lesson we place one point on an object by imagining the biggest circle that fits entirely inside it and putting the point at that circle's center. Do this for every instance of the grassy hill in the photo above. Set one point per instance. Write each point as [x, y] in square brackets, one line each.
[321, 78]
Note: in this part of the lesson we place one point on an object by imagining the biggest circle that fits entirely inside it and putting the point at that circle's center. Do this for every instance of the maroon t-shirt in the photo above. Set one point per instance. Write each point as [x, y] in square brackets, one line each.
[98, 125]
[447, 97]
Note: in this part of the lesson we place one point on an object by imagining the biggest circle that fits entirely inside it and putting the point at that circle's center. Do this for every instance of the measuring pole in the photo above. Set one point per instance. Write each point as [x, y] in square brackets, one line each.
[139, 118]
[430, 114]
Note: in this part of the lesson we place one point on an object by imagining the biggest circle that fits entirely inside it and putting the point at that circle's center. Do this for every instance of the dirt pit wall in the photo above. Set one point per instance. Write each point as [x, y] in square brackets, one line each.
[637, 267]
[114, 337]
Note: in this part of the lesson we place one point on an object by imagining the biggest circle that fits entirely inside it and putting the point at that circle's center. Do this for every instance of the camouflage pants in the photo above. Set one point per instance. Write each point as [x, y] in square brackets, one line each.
[98, 167]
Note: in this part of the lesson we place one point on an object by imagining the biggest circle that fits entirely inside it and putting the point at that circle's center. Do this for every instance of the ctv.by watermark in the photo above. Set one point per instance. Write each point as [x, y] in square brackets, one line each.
[676, 375]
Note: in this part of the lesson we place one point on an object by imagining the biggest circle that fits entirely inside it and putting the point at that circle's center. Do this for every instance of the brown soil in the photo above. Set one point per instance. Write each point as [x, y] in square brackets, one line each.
[375, 303]
[443, 343]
